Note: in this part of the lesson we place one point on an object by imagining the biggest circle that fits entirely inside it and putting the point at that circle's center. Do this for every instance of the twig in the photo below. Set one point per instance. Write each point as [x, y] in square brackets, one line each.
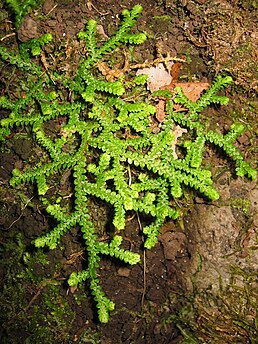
[6, 36]
[90, 5]
[52, 9]
[156, 62]
[21, 213]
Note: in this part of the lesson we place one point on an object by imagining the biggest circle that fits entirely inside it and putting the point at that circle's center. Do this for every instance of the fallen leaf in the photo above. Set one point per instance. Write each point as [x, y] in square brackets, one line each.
[178, 132]
[160, 110]
[175, 69]
[100, 30]
[157, 76]
[193, 90]
[109, 73]
[160, 79]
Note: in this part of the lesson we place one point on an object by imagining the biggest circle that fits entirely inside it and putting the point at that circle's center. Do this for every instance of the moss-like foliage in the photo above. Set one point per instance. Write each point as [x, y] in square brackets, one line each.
[104, 137]
[20, 8]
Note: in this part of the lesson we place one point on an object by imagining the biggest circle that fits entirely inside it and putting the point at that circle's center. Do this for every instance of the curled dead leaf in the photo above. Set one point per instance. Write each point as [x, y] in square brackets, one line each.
[110, 74]
[193, 90]
[160, 110]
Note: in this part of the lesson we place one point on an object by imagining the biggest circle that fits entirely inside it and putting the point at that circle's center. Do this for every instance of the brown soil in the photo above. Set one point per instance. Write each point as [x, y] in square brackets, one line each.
[199, 283]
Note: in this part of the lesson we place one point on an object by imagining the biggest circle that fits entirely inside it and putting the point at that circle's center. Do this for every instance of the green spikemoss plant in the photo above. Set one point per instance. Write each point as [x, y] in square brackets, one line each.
[20, 8]
[104, 138]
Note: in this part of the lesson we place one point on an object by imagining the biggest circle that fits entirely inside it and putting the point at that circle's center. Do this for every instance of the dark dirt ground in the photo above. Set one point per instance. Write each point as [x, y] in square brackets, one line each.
[199, 283]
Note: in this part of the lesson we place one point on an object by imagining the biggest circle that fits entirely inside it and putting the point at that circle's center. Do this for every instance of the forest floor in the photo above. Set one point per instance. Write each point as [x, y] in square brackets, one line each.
[199, 283]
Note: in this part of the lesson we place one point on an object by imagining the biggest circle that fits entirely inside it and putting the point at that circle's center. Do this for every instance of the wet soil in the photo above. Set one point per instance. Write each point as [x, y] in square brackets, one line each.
[199, 283]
